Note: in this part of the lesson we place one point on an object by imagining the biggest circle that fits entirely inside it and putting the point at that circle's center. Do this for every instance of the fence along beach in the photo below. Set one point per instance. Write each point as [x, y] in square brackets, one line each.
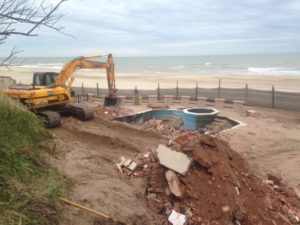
[249, 77]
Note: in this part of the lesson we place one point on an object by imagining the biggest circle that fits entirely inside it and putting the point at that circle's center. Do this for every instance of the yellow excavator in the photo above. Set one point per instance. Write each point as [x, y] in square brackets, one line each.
[50, 95]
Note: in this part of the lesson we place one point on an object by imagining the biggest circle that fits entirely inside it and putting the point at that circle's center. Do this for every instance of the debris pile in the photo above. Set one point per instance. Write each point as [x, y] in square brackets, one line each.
[168, 127]
[134, 167]
[201, 180]
[217, 126]
[171, 127]
[105, 112]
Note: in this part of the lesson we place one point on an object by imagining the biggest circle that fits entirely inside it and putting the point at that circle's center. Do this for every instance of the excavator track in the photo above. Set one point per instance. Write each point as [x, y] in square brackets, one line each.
[80, 111]
[50, 118]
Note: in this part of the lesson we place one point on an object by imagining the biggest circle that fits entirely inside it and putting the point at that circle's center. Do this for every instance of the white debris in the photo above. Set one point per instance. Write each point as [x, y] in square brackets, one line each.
[177, 218]
[225, 208]
[132, 166]
[237, 190]
[127, 162]
[120, 164]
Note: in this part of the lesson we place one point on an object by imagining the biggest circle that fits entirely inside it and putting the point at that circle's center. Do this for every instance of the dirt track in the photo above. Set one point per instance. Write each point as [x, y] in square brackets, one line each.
[88, 152]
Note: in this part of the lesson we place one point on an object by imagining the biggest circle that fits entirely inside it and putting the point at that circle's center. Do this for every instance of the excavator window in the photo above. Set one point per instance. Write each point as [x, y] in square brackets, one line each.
[44, 78]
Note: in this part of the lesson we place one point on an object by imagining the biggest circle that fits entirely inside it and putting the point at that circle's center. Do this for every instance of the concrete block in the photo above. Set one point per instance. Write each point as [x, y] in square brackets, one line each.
[219, 103]
[152, 99]
[90, 97]
[202, 101]
[5, 82]
[238, 106]
[185, 100]
[174, 183]
[168, 99]
[127, 162]
[177, 161]
[132, 166]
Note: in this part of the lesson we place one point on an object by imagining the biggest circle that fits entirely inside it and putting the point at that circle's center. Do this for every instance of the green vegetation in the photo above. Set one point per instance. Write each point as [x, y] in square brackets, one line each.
[29, 188]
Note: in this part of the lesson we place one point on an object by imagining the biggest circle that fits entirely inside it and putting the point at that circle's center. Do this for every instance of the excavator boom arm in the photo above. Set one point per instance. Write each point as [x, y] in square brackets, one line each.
[80, 63]
[72, 66]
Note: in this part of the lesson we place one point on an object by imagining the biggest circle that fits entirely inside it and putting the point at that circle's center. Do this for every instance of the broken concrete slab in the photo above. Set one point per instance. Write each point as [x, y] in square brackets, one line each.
[177, 161]
[132, 166]
[120, 164]
[174, 183]
[127, 162]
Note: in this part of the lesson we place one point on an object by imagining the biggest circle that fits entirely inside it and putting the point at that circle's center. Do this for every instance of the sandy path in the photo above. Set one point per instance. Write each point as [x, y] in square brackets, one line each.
[88, 156]
[270, 142]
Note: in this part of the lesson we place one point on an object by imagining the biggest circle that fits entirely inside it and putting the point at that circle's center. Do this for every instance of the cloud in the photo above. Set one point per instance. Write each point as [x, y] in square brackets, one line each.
[171, 27]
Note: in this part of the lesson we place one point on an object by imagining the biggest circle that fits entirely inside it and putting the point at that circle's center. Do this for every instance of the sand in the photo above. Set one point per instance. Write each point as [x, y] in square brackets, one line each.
[149, 81]
[87, 153]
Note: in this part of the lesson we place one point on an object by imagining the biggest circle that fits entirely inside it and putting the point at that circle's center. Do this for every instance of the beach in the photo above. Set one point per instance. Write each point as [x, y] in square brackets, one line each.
[148, 81]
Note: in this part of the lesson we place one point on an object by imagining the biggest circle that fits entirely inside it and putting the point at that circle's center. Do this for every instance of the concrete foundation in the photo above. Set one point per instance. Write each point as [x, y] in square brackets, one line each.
[168, 99]
[5, 82]
[202, 101]
[238, 106]
[219, 103]
[185, 100]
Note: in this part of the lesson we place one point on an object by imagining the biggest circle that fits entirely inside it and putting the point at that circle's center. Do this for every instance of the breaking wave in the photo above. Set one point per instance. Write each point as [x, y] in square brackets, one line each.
[273, 71]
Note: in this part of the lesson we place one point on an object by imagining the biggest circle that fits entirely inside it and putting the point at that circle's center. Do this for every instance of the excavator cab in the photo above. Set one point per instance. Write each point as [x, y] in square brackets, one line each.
[44, 78]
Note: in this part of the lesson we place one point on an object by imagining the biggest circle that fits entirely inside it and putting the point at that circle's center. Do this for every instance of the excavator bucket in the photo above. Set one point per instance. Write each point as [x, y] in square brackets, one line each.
[111, 101]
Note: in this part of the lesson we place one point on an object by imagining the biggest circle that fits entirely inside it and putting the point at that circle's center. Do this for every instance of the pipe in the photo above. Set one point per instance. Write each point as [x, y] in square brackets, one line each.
[98, 213]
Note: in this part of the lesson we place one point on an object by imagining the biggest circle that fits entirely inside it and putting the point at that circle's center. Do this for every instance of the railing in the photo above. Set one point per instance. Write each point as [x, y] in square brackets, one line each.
[253, 97]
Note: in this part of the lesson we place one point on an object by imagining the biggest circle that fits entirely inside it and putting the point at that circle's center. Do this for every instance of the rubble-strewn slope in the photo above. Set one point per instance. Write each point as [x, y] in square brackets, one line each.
[217, 189]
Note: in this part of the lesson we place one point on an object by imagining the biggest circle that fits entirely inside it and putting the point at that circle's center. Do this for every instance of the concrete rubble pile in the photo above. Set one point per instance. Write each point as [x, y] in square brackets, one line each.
[200, 180]
[105, 112]
[171, 128]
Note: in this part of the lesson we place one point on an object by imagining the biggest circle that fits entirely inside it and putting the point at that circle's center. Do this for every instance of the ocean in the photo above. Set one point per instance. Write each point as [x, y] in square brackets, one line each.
[271, 64]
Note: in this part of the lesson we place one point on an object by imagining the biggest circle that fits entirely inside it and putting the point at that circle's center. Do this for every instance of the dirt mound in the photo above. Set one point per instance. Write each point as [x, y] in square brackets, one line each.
[218, 188]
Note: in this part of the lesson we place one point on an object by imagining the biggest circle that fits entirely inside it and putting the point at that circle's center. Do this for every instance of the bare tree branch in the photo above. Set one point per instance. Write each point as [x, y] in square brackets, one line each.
[23, 17]
[13, 52]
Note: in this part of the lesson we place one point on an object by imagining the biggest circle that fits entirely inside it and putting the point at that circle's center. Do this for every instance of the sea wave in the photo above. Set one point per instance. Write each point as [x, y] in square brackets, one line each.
[273, 71]
[42, 65]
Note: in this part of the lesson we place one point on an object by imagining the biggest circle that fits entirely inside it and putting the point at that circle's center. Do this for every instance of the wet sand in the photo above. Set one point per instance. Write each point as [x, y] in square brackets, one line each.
[90, 77]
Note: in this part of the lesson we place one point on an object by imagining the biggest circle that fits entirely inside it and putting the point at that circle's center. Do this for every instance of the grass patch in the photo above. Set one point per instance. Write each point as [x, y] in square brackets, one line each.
[29, 187]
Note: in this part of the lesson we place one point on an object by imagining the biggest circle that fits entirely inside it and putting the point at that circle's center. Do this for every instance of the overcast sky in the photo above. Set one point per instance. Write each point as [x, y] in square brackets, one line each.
[169, 27]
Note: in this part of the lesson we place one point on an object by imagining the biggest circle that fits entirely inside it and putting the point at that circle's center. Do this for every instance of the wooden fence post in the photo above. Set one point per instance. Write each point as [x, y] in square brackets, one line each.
[158, 92]
[82, 89]
[273, 97]
[196, 95]
[97, 89]
[219, 88]
[246, 93]
[177, 97]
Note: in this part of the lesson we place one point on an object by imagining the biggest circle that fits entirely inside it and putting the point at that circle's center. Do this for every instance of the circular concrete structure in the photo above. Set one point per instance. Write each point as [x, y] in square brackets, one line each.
[193, 118]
